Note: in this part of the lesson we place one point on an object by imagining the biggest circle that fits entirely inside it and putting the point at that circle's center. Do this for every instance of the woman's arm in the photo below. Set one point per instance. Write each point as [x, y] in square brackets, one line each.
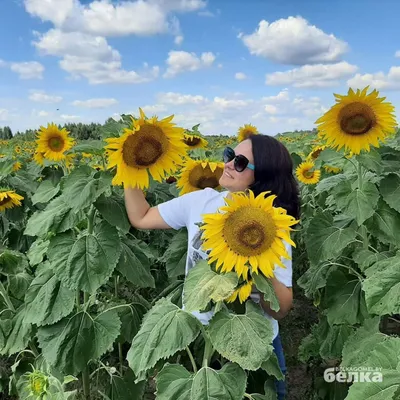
[285, 298]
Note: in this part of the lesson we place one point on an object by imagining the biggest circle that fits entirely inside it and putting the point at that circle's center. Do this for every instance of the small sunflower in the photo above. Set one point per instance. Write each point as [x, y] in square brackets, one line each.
[334, 170]
[17, 149]
[243, 292]
[306, 175]
[246, 131]
[9, 199]
[150, 146]
[199, 174]
[247, 235]
[315, 152]
[357, 121]
[17, 166]
[38, 383]
[53, 142]
[194, 141]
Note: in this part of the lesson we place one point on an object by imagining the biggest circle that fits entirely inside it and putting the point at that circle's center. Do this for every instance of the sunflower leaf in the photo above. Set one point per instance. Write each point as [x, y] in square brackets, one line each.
[124, 388]
[390, 190]
[385, 224]
[24, 182]
[385, 357]
[176, 382]
[90, 146]
[87, 262]
[371, 160]
[245, 339]
[69, 344]
[271, 367]
[175, 255]
[359, 202]
[382, 287]
[47, 300]
[324, 240]
[265, 286]
[165, 330]
[202, 285]
[131, 319]
[45, 192]
[37, 251]
[134, 265]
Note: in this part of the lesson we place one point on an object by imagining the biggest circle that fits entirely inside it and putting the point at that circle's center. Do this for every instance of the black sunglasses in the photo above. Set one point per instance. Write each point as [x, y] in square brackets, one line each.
[241, 162]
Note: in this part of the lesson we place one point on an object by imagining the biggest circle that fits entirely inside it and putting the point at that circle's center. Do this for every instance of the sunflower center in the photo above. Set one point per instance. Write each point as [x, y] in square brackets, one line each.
[308, 174]
[249, 231]
[6, 200]
[202, 178]
[316, 153]
[192, 141]
[144, 147]
[356, 118]
[56, 143]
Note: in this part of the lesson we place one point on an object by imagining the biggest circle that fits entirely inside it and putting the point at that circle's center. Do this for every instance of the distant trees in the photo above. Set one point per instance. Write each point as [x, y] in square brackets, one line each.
[6, 133]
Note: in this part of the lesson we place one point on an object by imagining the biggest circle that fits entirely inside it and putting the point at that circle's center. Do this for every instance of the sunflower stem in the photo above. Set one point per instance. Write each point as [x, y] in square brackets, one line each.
[78, 299]
[208, 351]
[86, 383]
[91, 216]
[194, 366]
[360, 175]
[34, 349]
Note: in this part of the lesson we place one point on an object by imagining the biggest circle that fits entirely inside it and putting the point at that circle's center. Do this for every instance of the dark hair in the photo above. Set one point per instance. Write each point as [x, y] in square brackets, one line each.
[274, 172]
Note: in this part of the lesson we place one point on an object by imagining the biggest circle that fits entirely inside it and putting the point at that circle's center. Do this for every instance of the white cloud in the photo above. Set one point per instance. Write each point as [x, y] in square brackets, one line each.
[180, 99]
[311, 107]
[178, 40]
[271, 109]
[28, 70]
[206, 13]
[69, 117]
[91, 57]
[240, 76]
[4, 114]
[154, 109]
[107, 18]
[223, 103]
[42, 97]
[378, 80]
[95, 103]
[40, 114]
[182, 61]
[312, 76]
[294, 41]
[3, 63]
[282, 96]
[43, 113]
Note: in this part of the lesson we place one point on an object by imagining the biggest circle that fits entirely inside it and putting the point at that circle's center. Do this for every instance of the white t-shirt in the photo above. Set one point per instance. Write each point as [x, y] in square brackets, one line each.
[186, 211]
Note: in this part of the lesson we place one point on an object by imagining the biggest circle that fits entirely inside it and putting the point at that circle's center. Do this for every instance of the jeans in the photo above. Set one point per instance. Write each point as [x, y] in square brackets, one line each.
[280, 385]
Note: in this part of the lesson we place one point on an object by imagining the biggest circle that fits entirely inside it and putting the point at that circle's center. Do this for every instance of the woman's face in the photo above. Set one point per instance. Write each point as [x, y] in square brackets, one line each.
[238, 181]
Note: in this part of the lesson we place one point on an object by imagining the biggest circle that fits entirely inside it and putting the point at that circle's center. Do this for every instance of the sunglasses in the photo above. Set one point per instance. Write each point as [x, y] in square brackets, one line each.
[241, 162]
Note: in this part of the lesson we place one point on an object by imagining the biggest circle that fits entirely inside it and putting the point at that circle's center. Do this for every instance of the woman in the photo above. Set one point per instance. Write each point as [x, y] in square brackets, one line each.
[260, 163]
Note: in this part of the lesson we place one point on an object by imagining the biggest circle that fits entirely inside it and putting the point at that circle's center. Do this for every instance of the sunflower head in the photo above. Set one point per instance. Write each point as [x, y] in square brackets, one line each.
[17, 166]
[315, 152]
[39, 158]
[194, 141]
[333, 170]
[38, 383]
[149, 146]
[199, 174]
[9, 199]
[246, 236]
[246, 131]
[306, 173]
[242, 292]
[357, 121]
[53, 142]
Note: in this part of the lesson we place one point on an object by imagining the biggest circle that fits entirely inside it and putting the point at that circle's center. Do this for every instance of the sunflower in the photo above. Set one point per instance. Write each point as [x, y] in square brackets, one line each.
[17, 166]
[53, 142]
[315, 152]
[17, 149]
[246, 131]
[243, 292]
[305, 174]
[194, 141]
[334, 170]
[150, 146]
[247, 235]
[199, 174]
[357, 121]
[9, 199]
[39, 158]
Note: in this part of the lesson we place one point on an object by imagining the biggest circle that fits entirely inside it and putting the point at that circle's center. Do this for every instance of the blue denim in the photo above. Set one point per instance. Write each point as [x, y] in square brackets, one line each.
[280, 385]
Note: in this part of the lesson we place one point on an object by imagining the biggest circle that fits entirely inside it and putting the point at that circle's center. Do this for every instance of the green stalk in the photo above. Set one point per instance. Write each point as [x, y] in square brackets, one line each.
[208, 351]
[120, 356]
[191, 359]
[363, 229]
[86, 383]
[3, 293]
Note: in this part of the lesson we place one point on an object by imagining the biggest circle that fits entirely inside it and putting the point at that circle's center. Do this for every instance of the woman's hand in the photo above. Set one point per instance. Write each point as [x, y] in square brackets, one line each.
[285, 298]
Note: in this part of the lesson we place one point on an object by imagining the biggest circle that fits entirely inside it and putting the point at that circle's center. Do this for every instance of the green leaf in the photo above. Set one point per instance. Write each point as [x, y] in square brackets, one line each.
[124, 388]
[333, 341]
[390, 190]
[386, 357]
[324, 240]
[371, 160]
[113, 210]
[271, 367]
[90, 146]
[344, 299]
[359, 202]
[365, 258]
[88, 262]
[358, 346]
[69, 344]
[19, 333]
[315, 277]
[18, 284]
[175, 256]
[264, 285]
[47, 300]
[202, 285]
[385, 224]
[175, 382]
[134, 265]
[45, 192]
[131, 319]
[24, 182]
[382, 287]
[57, 217]
[6, 168]
[12, 262]
[165, 330]
[329, 183]
[245, 339]
[37, 250]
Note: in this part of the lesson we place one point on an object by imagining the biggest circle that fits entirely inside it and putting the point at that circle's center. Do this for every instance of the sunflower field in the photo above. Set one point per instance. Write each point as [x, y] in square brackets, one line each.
[92, 308]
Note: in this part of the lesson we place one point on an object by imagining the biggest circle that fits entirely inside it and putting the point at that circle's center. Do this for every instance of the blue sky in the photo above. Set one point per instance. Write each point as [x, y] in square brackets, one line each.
[220, 63]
